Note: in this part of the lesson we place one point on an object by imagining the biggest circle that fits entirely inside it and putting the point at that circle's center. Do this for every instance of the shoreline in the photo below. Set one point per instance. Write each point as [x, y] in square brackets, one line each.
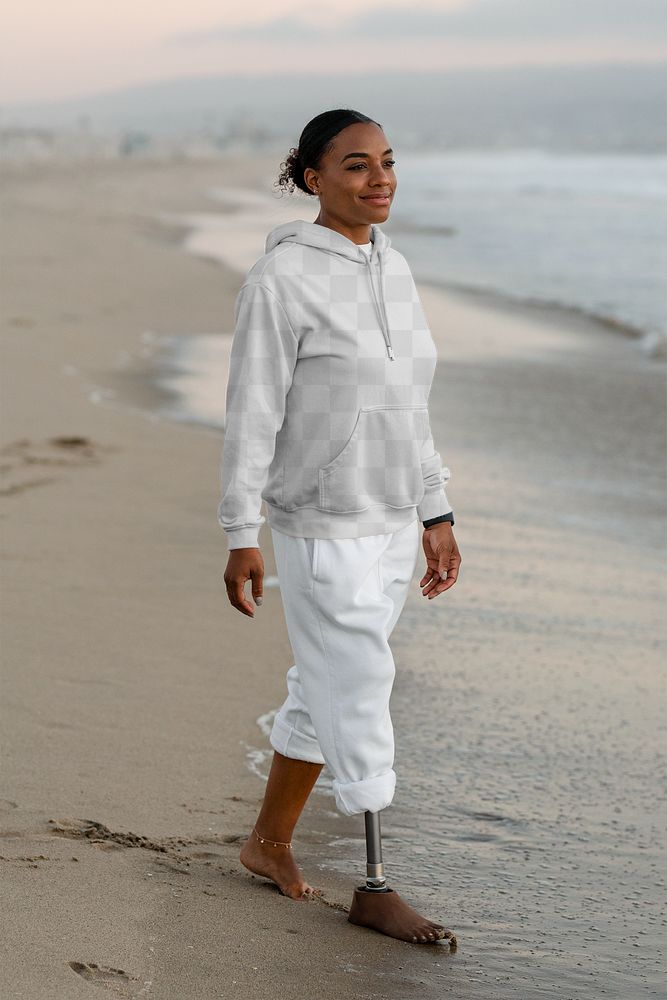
[496, 326]
[250, 176]
[124, 704]
[258, 211]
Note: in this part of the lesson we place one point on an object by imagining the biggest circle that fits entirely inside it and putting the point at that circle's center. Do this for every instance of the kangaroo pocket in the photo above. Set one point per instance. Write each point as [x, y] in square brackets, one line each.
[380, 463]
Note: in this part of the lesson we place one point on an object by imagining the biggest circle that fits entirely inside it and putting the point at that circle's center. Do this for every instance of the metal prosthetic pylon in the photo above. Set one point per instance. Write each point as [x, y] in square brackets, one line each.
[375, 877]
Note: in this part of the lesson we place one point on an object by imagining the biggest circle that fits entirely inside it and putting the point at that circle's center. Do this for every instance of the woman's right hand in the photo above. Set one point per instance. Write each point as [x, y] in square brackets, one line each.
[243, 565]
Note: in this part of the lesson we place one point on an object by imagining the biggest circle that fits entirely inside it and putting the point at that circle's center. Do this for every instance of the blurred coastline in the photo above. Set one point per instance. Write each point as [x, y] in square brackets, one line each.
[576, 231]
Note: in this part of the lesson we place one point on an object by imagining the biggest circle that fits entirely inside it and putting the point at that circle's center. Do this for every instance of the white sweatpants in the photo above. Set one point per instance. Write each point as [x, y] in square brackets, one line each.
[342, 598]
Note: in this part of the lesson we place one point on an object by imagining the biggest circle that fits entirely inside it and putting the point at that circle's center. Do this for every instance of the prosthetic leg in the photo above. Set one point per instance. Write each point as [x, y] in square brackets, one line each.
[374, 898]
[377, 906]
[375, 880]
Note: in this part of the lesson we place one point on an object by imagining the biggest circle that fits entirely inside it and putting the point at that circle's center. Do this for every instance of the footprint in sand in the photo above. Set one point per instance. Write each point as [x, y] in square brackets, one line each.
[19, 458]
[119, 982]
[98, 833]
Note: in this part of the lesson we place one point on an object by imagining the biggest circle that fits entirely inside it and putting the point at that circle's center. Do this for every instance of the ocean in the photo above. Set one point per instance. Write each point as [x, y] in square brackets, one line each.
[584, 232]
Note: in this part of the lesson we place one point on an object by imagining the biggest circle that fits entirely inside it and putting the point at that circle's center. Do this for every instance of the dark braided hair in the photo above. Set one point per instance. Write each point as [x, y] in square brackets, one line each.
[314, 142]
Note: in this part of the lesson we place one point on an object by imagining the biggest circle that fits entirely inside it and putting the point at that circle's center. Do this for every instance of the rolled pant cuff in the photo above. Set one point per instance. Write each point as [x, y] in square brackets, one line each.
[291, 743]
[368, 795]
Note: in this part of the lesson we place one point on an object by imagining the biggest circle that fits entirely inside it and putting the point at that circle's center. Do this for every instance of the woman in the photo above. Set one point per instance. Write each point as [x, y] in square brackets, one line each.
[327, 421]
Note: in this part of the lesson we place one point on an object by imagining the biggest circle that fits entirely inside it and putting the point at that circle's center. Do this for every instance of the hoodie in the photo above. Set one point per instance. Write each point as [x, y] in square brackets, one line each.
[330, 372]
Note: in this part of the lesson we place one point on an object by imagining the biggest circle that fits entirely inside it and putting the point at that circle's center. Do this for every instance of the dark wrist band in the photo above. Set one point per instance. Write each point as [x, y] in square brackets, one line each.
[438, 520]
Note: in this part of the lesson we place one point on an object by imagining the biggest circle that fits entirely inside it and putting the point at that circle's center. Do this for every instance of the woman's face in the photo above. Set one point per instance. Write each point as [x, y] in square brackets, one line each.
[359, 165]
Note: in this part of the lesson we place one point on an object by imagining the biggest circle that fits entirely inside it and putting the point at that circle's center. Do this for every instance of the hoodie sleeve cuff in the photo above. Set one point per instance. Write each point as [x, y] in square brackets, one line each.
[433, 505]
[243, 538]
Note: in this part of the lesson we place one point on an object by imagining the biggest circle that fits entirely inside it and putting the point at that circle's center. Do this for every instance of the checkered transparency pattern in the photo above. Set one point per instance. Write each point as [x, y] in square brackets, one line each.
[262, 361]
[321, 423]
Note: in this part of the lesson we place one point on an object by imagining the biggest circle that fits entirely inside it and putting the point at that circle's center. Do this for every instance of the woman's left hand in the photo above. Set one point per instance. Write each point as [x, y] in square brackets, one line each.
[442, 559]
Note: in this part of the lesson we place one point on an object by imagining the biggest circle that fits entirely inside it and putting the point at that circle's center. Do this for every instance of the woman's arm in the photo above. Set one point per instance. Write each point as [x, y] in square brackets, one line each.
[262, 361]
[434, 503]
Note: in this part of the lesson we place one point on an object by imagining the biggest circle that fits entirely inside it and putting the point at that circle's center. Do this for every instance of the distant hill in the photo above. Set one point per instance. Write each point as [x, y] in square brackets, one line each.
[614, 107]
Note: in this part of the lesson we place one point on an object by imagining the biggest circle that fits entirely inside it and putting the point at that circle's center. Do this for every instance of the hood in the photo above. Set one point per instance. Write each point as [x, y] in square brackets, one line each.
[313, 235]
[330, 241]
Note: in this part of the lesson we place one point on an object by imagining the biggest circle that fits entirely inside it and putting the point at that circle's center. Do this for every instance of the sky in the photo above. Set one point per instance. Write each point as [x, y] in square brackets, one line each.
[51, 51]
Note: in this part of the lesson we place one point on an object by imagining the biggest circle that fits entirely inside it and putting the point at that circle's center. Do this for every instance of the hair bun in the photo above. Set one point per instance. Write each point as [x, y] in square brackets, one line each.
[314, 142]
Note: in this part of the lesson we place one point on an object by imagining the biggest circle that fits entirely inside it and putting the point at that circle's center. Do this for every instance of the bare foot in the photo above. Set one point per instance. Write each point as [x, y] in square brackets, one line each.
[276, 864]
[387, 913]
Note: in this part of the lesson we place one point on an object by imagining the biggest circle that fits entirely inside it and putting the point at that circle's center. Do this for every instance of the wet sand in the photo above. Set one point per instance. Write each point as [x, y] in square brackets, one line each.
[132, 688]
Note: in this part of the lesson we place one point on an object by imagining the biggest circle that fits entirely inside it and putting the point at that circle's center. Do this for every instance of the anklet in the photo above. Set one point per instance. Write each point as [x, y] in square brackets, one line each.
[276, 843]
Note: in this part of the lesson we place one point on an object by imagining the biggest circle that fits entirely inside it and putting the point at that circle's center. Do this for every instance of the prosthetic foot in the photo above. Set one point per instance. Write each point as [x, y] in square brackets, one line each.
[378, 907]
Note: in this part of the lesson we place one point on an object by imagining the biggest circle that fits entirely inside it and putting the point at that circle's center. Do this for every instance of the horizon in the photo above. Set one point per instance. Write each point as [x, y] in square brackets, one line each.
[137, 85]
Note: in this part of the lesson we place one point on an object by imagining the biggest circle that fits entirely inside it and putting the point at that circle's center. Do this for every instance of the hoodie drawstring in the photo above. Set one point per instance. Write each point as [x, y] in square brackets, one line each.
[380, 306]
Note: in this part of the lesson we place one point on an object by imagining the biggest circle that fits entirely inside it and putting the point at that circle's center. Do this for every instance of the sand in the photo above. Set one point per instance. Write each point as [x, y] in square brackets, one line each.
[131, 688]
